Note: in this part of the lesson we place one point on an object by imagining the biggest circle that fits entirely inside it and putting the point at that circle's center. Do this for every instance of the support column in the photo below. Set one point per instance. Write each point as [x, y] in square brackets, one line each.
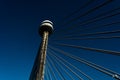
[40, 74]
[46, 28]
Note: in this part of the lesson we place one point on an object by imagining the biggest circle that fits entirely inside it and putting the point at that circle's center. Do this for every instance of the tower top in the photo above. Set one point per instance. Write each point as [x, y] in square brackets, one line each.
[47, 21]
[47, 26]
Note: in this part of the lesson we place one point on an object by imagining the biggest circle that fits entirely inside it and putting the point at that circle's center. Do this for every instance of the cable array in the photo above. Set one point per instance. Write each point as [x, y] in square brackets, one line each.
[60, 68]
[93, 65]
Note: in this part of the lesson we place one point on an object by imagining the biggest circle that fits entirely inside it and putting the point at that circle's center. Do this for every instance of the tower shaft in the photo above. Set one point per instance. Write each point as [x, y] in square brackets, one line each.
[38, 70]
[40, 74]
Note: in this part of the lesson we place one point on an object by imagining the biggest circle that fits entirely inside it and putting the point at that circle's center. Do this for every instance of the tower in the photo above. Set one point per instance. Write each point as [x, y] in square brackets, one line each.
[46, 29]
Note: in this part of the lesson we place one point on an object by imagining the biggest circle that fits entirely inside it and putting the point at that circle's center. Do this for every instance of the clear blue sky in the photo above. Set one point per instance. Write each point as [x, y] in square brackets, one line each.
[19, 38]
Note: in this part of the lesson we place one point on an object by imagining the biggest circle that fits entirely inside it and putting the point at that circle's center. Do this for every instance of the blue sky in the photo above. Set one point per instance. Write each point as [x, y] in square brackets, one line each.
[19, 38]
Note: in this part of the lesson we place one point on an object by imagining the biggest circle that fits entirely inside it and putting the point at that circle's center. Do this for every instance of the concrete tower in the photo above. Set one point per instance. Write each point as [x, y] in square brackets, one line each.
[46, 28]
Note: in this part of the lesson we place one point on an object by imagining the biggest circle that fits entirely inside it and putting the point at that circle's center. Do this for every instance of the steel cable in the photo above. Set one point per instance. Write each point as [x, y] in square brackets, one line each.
[65, 70]
[90, 38]
[50, 68]
[59, 73]
[91, 49]
[91, 10]
[97, 67]
[90, 34]
[92, 21]
[70, 69]
[73, 66]
[77, 11]
[88, 28]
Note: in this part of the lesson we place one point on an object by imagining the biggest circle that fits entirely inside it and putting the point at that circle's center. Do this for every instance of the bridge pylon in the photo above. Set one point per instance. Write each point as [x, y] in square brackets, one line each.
[46, 29]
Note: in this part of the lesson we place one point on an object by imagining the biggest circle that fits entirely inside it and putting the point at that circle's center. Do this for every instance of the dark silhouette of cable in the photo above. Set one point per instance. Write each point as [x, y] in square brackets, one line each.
[60, 58]
[91, 10]
[55, 67]
[65, 71]
[88, 34]
[91, 49]
[50, 68]
[90, 38]
[69, 69]
[96, 27]
[92, 21]
[93, 65]
[88, 28]
[91, 34]
[77, 11]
